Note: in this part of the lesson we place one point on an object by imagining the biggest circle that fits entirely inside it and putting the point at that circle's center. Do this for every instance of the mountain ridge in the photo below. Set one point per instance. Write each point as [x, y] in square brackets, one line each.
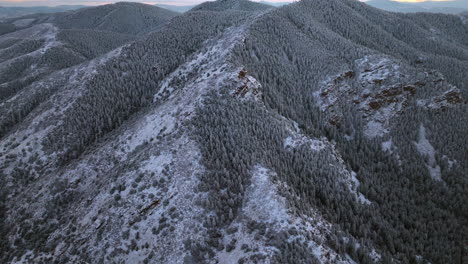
[318, 132]
[223, 5]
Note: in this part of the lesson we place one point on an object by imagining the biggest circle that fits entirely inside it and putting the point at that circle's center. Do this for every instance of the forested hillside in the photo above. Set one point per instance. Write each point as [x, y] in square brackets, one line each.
[37, 47]
[324, 131]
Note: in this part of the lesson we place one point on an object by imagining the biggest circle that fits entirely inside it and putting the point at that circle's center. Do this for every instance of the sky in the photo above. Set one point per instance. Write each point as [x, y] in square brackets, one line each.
[99, 2]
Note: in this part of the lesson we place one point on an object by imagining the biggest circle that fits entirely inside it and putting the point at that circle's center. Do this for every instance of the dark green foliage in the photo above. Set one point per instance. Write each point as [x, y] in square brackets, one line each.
[24, 47]
[6, 43]
[6, 28]
[92, 43]
[57, 58]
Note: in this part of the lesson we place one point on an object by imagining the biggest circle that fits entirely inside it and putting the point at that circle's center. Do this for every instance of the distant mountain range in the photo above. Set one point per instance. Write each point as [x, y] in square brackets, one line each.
[185, 8]
[7, 12]
[449, 7]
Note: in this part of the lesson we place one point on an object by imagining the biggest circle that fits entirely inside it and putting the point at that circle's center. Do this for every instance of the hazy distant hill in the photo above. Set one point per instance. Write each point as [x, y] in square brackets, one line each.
[8, 12]
[441, 4]
[223, 5]
[182, 9]
[175, 8]
[449, 7]
[276, 4]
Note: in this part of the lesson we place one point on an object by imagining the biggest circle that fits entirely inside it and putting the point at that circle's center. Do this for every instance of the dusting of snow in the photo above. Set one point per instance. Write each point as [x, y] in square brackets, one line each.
[375, 256]
[373, 74]
[375, 85]
[464, 19]
[208, 67]
[158, 147]
[46, 31]
[450, 162]
[37, 128]
[297, 139]
[235, 255]
[375, 129]
[248, 88]
[346, 176]
[263, 202]
[377, 69]
[23, 22]
[354, 187]
[387, 146]
[449, 98]
[391, 148]
[425, 148]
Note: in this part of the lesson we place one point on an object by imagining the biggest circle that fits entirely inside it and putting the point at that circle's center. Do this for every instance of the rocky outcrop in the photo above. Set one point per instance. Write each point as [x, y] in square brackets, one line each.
[381, 88]
[247, 87]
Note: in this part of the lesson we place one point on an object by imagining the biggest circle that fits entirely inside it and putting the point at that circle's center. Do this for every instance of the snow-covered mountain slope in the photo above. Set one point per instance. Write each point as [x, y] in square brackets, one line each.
[122, 17]
[43, 46]
[311, 133]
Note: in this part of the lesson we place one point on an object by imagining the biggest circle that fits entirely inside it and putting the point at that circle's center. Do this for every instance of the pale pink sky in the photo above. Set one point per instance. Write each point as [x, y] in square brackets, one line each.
[100, 2]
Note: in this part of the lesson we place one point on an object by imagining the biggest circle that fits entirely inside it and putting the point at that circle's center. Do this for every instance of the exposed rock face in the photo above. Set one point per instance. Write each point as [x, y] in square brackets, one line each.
[379, 88]
[248, 87]
[448, 99]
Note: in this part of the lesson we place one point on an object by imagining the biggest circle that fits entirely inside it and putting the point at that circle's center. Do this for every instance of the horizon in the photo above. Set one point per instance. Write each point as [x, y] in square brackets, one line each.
[54, 3]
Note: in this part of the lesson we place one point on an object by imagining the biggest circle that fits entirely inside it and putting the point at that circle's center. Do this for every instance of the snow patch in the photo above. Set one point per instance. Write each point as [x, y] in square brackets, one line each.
[294, 142]
[425, 148]
[377, 69]
[23, 22]
[354, 187]
[449, 98]
[464, 19]
[207, 68]
[263, 203]
[297, 139]
[375, 129]
[388, 146]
